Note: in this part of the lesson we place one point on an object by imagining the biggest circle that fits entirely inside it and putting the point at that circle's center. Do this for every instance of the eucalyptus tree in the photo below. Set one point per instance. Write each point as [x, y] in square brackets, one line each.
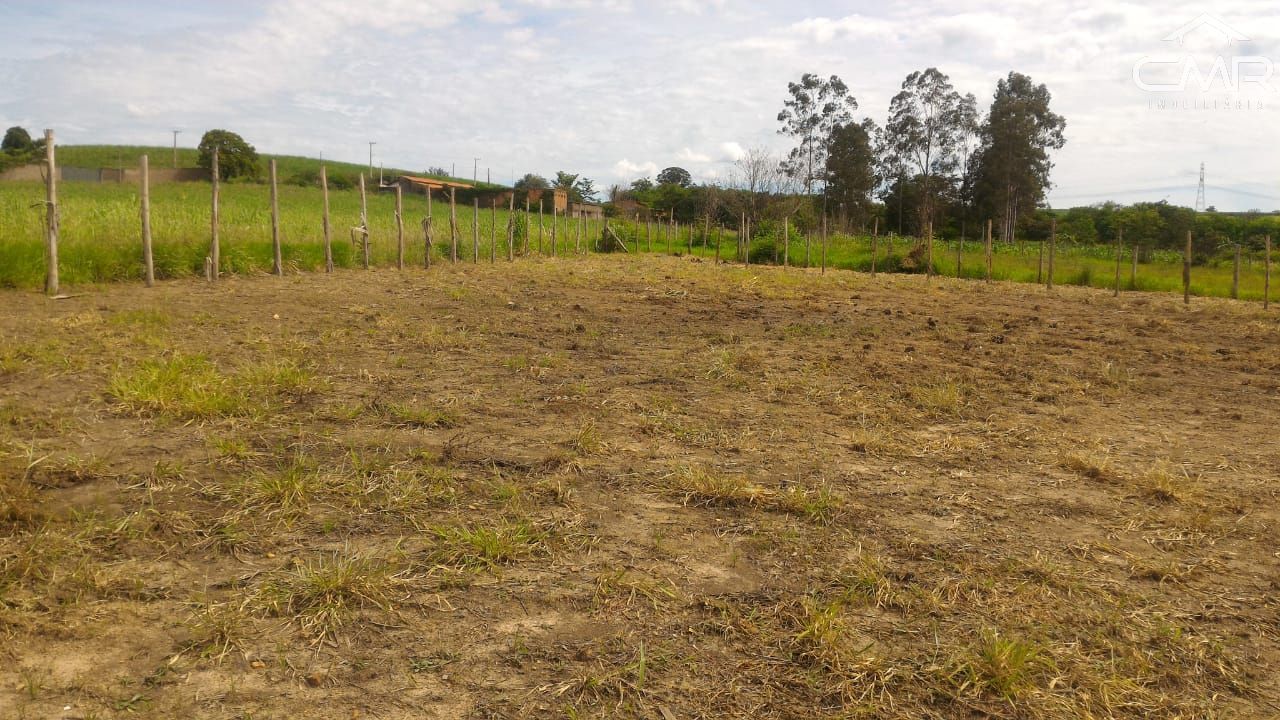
[924, 129]
[816, 108]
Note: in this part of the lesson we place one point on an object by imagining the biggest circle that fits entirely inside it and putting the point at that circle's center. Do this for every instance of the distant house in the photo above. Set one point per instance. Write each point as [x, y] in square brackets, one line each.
[590, 211]
[420, 185]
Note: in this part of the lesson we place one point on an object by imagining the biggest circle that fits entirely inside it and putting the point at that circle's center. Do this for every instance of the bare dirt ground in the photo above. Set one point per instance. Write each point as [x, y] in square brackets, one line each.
[621, 487]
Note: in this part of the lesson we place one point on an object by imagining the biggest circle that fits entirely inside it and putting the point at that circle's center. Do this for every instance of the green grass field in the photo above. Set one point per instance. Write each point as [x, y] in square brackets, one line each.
[100, 240]
[287, 166]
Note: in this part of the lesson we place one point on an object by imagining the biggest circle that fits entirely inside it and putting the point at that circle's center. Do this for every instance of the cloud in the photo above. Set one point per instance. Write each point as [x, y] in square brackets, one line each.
[731, 152]
[542, 85]
[627, 170]
[688, 156]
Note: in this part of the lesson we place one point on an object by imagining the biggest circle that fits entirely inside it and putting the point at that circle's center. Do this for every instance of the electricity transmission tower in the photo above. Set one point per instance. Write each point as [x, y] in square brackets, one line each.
[1200, 203]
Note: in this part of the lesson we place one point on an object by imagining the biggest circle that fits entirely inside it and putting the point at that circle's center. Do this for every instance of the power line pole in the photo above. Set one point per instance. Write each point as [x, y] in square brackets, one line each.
[475, 170]
[371, 144]
[1200, 200]
[175, 147]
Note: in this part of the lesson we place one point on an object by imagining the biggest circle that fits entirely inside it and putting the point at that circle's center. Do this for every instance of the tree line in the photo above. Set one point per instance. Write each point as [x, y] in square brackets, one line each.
[938, 161]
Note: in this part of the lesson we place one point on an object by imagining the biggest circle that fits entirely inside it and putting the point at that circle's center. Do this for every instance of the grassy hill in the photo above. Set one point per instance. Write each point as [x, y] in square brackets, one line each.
[288, 166]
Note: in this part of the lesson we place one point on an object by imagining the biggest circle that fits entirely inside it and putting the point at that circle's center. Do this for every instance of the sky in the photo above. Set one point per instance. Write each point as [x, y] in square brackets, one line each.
[619, 89]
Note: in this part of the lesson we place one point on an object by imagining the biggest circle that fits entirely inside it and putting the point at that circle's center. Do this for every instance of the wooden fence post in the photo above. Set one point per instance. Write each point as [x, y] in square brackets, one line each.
[719, 238]
[1235, 276]
[453, 225]
[1186, 273]
[399, 228]
[959, 256]
[51, 216]
[364, 221]
[808, 240]
[988, 249]
[1040, 263]
[212, 261]
[277, 261]
[648, 234]
[328, 231]
[1053, 247]
[1133, 269]
[746, 243]
[148, 263]
[540, 252]
[528, 226]
[690, 250]
[555, 222]
[706, 231]
[427, 223]
[667, 228]
[1119, 257]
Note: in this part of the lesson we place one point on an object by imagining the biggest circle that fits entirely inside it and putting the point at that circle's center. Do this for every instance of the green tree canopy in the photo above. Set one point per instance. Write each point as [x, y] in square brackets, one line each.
[236, 158]
[675, 176]
[17, 140]
[532, 182]
[850, 168]
[815, 108]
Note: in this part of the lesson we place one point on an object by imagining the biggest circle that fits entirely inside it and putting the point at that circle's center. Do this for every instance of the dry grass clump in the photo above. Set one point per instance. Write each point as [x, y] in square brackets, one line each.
[192, 387]
[323, 593]
[708, 488]
[486, 546]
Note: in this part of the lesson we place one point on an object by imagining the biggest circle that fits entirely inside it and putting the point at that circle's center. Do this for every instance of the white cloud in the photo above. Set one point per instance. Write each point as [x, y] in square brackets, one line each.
[542, 85]
[731, 151]
[625, 169]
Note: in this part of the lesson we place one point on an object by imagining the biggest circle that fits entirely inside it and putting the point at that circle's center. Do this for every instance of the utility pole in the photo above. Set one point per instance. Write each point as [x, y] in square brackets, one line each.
[175, 147]
[371, 144]
[475, 170]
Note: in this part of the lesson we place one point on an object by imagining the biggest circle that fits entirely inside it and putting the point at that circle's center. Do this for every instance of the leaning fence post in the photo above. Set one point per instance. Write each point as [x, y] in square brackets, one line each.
[277, 262]
[212, 263]
[328, 232]
[148, 263]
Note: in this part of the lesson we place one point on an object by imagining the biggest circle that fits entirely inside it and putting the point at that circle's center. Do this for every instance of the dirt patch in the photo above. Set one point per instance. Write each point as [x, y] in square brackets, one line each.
[637, 487]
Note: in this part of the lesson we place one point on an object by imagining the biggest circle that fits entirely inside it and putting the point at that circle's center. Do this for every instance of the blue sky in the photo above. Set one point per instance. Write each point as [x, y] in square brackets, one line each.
[619, 89]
